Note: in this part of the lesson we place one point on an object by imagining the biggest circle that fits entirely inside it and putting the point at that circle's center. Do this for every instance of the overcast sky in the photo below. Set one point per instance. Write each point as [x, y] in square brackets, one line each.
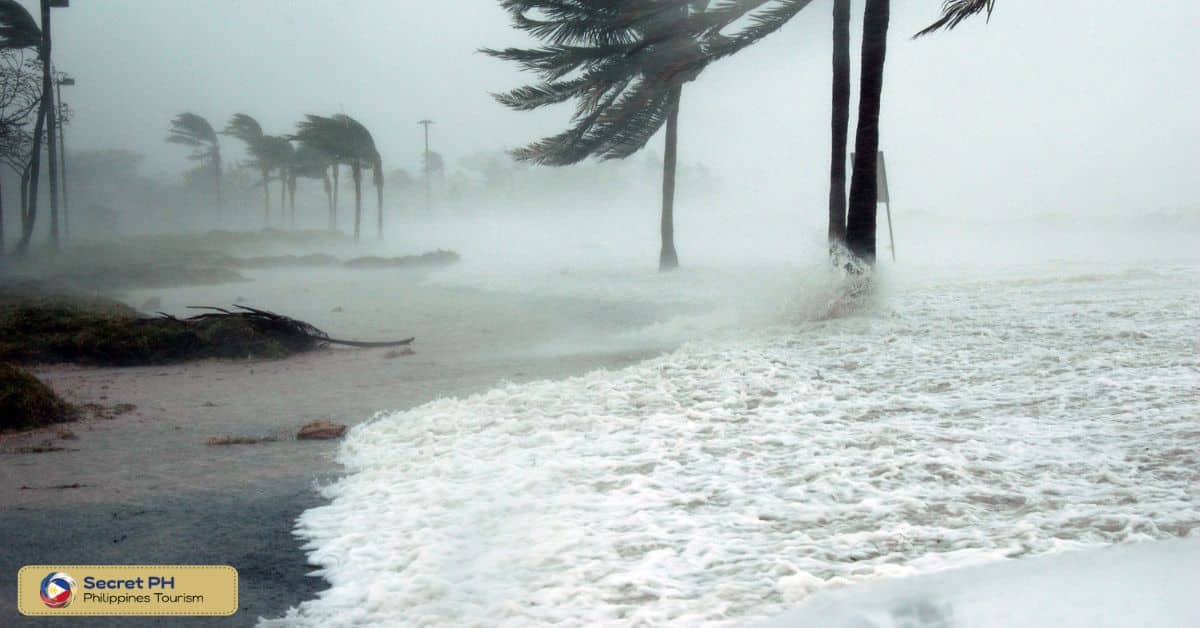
[1053, 106]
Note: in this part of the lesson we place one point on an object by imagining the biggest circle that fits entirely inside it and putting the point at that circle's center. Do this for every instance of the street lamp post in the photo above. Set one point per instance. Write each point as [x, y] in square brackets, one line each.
[62, 153]
[426, 124]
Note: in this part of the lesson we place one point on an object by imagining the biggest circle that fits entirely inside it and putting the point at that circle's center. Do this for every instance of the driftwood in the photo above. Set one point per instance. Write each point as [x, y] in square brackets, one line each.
[270, 321]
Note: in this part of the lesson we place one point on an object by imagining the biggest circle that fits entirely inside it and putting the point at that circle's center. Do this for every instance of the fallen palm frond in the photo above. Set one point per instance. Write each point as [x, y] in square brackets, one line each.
[278, 324]
[37, 329]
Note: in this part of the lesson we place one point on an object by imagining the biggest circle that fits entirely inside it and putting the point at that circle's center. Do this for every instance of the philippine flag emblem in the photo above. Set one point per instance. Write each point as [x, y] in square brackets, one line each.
[57, 590]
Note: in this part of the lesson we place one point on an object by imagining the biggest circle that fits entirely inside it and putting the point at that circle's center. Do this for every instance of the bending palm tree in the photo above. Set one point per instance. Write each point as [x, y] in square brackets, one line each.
[627, 64]
[192, 130]
[248, 130]
[280, 153]
[309, 163]
[346, 141]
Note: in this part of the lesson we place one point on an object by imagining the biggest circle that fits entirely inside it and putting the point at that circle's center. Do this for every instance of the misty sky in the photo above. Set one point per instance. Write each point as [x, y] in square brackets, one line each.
[1053, 106]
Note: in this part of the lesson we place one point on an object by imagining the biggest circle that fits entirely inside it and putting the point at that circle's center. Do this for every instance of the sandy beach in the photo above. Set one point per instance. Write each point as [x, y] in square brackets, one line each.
[145, 487]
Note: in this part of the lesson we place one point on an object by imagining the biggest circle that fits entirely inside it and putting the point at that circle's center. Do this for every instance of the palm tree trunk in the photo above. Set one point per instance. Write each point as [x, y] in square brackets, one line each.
[292, 201]
[267, 195]
[667, 257]
[328, 198]
[282, 197]
[378, 181]
[216, 163]
[864, 192]
[356, 172]
[336, 184]
[379, 203]
[840, 123]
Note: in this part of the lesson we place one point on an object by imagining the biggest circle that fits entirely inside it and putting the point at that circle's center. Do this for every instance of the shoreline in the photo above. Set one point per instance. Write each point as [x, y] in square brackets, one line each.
[144, 487]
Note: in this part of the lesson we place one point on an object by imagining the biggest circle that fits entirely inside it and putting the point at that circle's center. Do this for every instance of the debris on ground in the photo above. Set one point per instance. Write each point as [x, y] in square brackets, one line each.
[321, 430]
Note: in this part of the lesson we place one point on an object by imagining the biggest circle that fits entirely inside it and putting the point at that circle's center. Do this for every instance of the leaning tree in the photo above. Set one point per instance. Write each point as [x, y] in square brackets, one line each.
[309, 163]
[624, 65]
[189, 129]
[346, 141]
[250, 132]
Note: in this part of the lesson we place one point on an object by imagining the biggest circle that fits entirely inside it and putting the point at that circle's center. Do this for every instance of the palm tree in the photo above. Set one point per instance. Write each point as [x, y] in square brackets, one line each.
[625, 65]
[280, 154]
[249, 131]
[309, 163]
[839, 122]
[192, 130]
[346, 141]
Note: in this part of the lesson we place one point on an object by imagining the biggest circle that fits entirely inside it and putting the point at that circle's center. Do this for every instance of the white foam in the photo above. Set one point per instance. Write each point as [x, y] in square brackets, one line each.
[1152, 585]
[965, 422]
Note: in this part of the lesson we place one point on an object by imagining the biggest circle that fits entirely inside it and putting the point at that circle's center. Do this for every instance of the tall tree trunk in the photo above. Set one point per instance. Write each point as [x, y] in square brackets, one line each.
[356, 172]
[29, 215]
[51, 126]
[379, 202]
[667, 257]
[329, 199]
[292, 201]
[283, 215]
[336, 184]
[216, 163]
[266, 195]
[840, 123]
[864, 192]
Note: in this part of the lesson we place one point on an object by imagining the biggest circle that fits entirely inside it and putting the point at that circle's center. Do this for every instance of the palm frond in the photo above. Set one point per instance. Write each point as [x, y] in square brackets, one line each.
[190, 129]
[955, 12]
[243, 127]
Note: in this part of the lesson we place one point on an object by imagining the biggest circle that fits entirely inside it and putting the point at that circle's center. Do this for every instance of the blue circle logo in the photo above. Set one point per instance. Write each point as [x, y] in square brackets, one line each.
[57, 590]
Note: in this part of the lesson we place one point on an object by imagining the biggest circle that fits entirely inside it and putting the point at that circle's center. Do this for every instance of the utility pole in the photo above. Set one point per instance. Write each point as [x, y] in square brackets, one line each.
[426, 124]
[51, 124]
[62, 153]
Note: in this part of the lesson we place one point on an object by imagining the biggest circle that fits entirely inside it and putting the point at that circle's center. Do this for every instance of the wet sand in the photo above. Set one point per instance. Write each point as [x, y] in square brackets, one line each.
[151, 490]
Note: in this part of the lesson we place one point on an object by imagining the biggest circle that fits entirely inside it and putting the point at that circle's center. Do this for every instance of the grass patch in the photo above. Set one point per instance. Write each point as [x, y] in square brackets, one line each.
[94, 330]
[26, 403]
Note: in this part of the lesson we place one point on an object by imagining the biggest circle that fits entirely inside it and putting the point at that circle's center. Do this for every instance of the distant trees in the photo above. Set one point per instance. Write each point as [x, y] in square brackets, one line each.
[250, 132]
[309, 163]
[624, 64]
[346, 141]
[189, 129]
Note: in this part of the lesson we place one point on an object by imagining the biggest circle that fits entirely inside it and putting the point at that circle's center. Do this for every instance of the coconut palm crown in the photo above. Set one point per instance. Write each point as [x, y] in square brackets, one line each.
[346, 141]
[189, 129]
[619, 61]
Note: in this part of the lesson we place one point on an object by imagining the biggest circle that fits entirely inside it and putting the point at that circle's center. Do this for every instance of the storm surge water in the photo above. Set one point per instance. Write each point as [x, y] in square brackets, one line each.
[958, 420]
